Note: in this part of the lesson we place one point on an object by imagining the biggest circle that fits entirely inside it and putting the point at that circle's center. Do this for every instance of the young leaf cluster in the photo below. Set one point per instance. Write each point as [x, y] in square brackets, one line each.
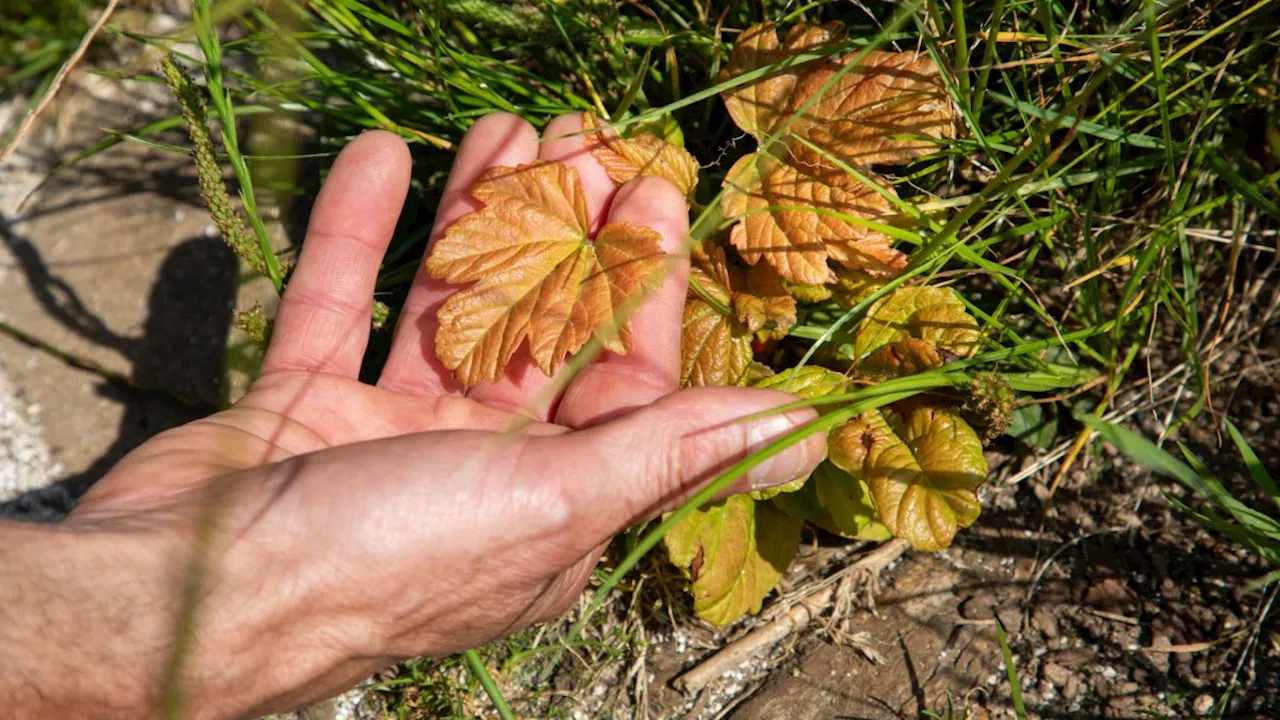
[811, 226]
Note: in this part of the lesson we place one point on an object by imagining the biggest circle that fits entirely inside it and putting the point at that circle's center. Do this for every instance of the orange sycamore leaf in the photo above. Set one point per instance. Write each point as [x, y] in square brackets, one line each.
[536, 273]
[884, 110]
[858, 109]
[797, 215]
[716, 341]
[625, 159]
[759, 107]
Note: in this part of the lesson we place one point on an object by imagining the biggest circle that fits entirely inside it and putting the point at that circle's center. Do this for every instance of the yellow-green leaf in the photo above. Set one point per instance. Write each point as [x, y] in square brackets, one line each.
[923, 467]
[847, 503]
[836, 502]
[808, 293]
[734, 551]
[806, 383]
[854, 286]
[935, 315]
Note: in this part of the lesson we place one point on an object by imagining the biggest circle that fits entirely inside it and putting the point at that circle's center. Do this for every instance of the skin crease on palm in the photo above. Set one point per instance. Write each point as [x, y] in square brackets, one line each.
[354, 525]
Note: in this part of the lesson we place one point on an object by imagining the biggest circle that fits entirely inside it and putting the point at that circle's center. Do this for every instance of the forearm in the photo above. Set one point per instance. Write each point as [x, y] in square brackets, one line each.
[89, 613]
[87, 618]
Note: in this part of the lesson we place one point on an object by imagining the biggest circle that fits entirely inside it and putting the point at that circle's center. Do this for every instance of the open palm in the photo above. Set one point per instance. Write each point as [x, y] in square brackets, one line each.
[308, 398]
[359, 524]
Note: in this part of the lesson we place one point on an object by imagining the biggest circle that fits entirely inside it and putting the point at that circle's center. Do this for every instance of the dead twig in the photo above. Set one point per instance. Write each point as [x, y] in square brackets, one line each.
[805, 610]
[25, 126]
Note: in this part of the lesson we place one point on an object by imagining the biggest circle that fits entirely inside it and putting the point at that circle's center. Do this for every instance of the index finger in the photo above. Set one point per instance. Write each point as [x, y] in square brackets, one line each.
[412, 367]
[322, 324]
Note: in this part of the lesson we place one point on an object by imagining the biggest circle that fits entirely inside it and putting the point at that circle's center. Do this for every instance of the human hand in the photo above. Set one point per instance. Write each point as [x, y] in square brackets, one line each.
[351, 525]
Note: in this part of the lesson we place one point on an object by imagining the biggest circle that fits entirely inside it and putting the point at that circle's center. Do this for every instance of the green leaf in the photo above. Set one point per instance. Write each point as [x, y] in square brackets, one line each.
[837, 502]
[935, 315]
[734, 551]
[1036, 425]
[802, 505]
[806, 382]
[847, 502]
[923, 466]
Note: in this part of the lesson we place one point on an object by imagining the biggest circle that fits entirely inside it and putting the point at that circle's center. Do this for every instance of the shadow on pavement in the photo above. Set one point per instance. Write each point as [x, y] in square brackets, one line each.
[177, 363]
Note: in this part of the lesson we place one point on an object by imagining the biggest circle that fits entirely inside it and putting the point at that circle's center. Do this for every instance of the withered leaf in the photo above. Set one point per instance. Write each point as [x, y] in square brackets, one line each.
[537, 274]
[744, 547]
[625, 159]
[933, 314]
[888, 109]
[797, 216]
[923, 467]
[758, 107]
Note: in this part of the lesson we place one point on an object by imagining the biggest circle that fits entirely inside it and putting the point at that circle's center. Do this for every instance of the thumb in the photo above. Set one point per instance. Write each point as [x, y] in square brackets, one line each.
[651, 460]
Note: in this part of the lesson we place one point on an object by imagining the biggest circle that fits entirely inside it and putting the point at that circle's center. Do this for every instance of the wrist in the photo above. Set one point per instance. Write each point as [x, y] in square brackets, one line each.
[122, 617]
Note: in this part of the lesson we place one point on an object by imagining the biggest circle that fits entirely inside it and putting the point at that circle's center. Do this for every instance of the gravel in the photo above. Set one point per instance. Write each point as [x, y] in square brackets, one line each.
[25, 462]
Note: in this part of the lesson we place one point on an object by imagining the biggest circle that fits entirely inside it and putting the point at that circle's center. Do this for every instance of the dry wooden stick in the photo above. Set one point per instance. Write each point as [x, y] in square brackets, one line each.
[805, 610]
[58, 79]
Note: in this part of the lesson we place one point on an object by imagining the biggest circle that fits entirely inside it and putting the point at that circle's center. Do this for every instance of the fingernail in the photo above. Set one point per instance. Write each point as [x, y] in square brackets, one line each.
[786, 465]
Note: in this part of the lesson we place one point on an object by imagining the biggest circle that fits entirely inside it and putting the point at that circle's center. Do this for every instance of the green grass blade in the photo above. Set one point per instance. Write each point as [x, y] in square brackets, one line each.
[1253, 464]
[1145, 453]
[1015, 689]
[475, 664]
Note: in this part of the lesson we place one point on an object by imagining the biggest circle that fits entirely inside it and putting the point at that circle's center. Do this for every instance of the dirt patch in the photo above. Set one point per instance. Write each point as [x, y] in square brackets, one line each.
[115, 263]
[929, 634]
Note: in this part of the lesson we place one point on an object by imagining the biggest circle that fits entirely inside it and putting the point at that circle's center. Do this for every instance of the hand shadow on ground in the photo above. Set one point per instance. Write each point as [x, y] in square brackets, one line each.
[177, 363]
